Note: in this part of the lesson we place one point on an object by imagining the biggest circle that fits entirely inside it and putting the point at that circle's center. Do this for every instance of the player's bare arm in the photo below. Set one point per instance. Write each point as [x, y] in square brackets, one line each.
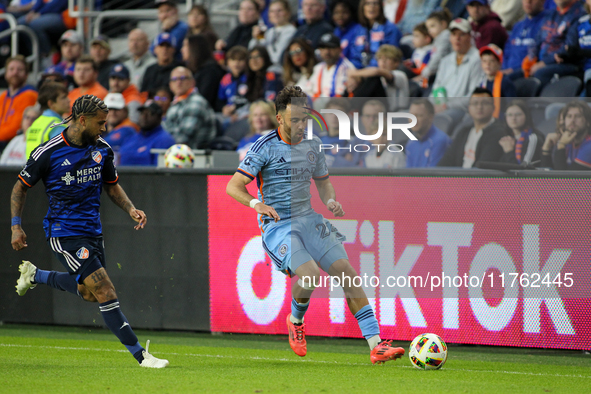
[328, 197]
[17, 203]
[119, 197]
[236, 189]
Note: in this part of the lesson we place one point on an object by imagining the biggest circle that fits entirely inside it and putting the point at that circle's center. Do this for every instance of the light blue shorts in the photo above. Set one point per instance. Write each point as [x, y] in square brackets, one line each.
[293, 242]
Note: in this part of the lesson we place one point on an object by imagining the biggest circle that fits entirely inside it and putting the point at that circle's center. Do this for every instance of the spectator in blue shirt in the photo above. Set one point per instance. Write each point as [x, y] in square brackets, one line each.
[315, 25]
[168, 15]
[374, 31]
[344, 16]
[431, 142]
[522, 37]
[136, 150]
[46, 20]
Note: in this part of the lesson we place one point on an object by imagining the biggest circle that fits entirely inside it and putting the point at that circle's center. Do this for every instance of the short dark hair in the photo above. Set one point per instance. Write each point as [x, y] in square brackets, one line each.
[339, 102]
[237, 53]
[286, 94]
[442, 15]
[480, 90]
[425, 103]
[422, 28]
[88, 59]
[50, 91]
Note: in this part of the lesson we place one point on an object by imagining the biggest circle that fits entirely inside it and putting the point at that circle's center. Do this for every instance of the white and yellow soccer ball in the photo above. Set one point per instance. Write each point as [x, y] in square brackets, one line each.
[179, 156]
[428, 351]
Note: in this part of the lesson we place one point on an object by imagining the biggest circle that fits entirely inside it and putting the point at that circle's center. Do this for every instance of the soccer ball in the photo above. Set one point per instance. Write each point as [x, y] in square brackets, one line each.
[428, 351]
[179, 156]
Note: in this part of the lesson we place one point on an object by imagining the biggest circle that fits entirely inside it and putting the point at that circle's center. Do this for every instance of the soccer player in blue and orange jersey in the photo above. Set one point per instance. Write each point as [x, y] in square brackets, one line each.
[298, 240]
[75, 166]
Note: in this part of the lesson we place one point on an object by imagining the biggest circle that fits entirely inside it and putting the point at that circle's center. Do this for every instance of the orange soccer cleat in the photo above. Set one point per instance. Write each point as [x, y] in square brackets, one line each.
[385, 352]
[297, 337]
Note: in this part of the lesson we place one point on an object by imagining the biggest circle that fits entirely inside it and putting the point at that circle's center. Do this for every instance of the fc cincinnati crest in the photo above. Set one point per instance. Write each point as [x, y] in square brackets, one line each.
[96, 156]
[82, 253]
[283, 250]
[311, 157]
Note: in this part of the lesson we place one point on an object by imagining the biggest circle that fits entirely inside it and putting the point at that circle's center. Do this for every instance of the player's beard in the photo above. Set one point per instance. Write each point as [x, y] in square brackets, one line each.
[87, 138]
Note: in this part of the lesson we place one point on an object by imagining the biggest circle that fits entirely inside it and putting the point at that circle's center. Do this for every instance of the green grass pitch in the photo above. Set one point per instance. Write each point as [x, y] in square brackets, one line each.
[35, 359]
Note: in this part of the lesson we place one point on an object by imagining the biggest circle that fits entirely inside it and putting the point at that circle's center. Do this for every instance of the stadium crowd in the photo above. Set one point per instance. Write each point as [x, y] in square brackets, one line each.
[457, 65]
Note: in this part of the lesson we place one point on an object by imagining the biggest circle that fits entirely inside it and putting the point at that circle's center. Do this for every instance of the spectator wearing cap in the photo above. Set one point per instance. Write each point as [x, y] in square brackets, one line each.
[54, 103]
[315, 26]
[329, 78]
[168, 15]
[373, 31]
[15, 152]
[158, 74]
[136, 150]
[522, 37]
[248, 16]
[15, 99]
[119, 82]
[491, 58]
[190, 119]
[141, 58]
[46, 20]
[460, 71]
[100, 50]
[85, 75]
[486, 25]
[551, 38]
[479, 142]
[119, 127]
[71, 48]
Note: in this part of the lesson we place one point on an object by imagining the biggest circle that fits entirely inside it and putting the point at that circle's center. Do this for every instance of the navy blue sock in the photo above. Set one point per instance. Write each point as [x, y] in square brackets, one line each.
[58, 280]
[41, 276]
[367, 322]
[118, 324]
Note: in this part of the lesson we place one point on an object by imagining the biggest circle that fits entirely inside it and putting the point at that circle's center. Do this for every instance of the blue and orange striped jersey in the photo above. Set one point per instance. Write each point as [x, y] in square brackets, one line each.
[284, 172]
[73, 178]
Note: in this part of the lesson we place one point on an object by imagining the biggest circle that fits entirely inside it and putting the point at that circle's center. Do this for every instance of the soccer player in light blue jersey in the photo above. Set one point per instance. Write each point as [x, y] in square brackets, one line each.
[298, 240]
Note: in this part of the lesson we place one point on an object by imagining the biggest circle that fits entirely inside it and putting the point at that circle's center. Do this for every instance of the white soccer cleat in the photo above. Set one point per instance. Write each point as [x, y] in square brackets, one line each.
[151, 361]
[25, 282]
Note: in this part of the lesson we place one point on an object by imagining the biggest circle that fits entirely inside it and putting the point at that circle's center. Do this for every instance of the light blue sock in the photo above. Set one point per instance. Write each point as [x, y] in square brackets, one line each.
[298, 310]
[367, 322]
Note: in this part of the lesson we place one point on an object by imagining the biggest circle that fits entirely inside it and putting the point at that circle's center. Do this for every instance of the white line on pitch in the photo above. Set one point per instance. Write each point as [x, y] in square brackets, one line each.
[292, 360]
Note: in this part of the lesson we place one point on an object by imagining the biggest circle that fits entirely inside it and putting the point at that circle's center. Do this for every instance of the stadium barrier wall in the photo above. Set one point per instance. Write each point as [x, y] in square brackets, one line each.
[522, 228]
[182, 272]
[160, 273]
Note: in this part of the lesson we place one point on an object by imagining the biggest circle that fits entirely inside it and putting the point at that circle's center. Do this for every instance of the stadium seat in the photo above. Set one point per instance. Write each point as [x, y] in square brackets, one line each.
[547, 126]
[568, 86]
[443, 122]
[527, 87]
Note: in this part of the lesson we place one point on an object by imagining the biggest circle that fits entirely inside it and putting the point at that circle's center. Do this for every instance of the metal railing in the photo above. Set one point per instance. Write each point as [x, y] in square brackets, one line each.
[13, 31]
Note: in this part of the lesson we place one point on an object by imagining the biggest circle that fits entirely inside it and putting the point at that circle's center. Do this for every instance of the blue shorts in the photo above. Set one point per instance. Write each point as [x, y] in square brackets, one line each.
[293, 242]
[80, 255]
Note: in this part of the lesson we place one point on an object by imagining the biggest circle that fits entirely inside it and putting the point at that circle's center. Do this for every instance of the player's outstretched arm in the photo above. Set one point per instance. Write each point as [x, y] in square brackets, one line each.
[236, 189]
[328, 196]
[17, 203]
[118, 196]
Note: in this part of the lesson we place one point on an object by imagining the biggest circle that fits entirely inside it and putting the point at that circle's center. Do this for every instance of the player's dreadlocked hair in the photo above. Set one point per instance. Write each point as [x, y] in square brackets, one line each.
[285, 96]
[87, 105]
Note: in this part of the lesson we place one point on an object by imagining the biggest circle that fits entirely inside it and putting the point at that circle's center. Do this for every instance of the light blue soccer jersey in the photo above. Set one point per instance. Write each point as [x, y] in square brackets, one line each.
[284, 172]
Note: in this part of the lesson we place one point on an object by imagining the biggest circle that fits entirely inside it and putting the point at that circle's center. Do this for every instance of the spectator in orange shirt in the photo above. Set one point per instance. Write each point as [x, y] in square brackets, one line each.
[85, 76]
[120, 82]
[15, 99]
